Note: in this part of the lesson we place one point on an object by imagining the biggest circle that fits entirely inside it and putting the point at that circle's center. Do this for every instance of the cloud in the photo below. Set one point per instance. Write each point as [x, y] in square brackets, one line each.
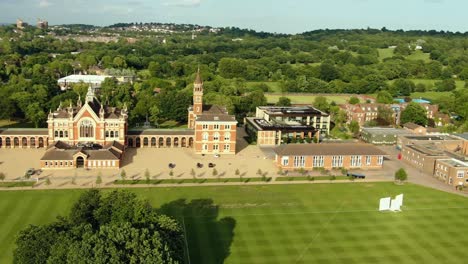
[44, 3]
[183, 3]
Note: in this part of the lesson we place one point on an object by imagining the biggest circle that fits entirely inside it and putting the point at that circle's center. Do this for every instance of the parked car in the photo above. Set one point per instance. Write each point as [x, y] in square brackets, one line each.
[30, 172]
[356, 175]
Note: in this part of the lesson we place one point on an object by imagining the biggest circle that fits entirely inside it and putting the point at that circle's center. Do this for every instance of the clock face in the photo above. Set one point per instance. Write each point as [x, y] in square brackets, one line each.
[198, 99]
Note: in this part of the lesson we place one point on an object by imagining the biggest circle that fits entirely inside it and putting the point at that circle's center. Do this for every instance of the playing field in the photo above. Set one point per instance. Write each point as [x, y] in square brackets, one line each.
[316, 223]
[306, 98]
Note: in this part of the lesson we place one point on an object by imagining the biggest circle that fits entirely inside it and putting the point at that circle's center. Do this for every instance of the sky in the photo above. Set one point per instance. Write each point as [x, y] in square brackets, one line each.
[281, 16]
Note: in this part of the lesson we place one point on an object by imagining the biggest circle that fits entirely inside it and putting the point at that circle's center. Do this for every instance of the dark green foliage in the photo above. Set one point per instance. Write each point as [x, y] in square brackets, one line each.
[283, 101]
[114, 228]
[384, 97]
[401, 175]
[414, 113]
[353, 100]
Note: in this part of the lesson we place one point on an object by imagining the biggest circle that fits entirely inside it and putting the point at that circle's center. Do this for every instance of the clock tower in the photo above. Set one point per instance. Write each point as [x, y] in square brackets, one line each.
[198, 94]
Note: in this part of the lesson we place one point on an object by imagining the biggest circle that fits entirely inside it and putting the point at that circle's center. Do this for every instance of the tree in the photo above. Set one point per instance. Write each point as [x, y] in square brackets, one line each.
[384, 97]
[48, 182]
[321, 103]
[353, 100]
[2, 176]
[401, 175]
[384, 116]
[123, 174]
[445, 85]
[99, 179]
[403, 87]
[116, 227]
[35, 114]
[147, 176]
[283, 101]
[354, 127]
[415, 113]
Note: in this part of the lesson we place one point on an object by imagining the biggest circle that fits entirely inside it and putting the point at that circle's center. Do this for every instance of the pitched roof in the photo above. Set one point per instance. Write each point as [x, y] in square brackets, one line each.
[328, 149]
[215, 113]
[198, 79]
[24, 131]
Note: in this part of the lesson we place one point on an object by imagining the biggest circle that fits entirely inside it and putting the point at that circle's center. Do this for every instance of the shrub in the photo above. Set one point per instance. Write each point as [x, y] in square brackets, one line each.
[2, 176]
[401, 175]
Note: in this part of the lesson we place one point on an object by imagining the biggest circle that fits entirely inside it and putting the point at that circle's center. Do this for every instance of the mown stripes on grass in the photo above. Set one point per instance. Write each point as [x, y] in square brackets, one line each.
[319, 223]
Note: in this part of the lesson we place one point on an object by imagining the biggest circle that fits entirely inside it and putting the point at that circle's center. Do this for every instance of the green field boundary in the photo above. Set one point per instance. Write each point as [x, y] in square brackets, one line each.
[312, 178]
[190, 181]
[17, 184]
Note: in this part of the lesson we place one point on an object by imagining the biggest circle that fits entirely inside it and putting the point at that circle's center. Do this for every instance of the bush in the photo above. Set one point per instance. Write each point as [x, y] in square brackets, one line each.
[2, 176]
[401, 175]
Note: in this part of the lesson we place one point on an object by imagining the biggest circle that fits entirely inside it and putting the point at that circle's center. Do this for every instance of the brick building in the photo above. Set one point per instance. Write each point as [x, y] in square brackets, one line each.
[214, 128]
[382, 135]
[451, 171]
[329, 156]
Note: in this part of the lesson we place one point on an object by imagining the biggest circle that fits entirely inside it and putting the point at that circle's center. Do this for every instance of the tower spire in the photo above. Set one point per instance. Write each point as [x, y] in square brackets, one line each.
[198, 79]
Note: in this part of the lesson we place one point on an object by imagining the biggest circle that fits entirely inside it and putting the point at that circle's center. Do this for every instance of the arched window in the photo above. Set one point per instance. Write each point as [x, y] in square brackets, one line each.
[65, 134]
[112, 134]
[227, 136]
[116, 134]
[56, 133]
[61, 134]
[216, 136]
[107, 134]
[87, 129]
[205, 136]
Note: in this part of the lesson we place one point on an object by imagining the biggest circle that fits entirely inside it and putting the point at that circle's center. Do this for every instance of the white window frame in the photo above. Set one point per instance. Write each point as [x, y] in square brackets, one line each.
[299, 161]
[216, 136]
[227, 127]
[204, 126]
[356, 161]
[285, 160]
[460, 174]
[205, 136]
[368, 160]
[337, 161]
[318, 162]
[380, 160]
[216, 126]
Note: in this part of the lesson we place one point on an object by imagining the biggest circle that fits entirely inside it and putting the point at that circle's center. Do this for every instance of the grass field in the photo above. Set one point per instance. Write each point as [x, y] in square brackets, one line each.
[419, 55]
[385, 53]
[305, 98]
[273, 87]
[318, 223]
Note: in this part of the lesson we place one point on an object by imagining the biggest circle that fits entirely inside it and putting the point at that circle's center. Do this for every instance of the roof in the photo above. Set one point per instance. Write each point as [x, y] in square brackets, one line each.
[329, 149]
[411, 125]
[161, 132]
[215, 113]
[454, 162]
[76, 78]
[62, 151]
[292, 110]
[24, 131]
[198, 79]
[463, 135]
[386, 131]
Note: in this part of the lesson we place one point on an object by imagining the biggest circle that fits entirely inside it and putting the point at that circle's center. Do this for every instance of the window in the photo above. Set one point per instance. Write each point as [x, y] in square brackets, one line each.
[46, 163]
[56, 133]
[227, 136]
[337, 161]
[227, 147]
[65, 133]
[87, 129]
[299, 161]
[205, 147]
[116, 134]
[318, 161]
[380, 160]
[450, 180]
[216, 126]
[216, 136]
[285, 160]
[460, 174]
[215, 147]
[205, 126]
[107, 134]
[227, 127]
[368, 160]
[112, 134]
[356, 161]
[205, 136]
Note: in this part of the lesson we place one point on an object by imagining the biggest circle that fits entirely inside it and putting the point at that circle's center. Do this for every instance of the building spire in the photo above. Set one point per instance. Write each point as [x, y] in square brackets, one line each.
[198, 79]
[78, 103]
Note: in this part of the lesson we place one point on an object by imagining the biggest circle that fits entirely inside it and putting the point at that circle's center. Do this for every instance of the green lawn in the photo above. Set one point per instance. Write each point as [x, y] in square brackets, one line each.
[385, 53]
[318, 223]
[4, 123]
[419, 55]
[305, 98]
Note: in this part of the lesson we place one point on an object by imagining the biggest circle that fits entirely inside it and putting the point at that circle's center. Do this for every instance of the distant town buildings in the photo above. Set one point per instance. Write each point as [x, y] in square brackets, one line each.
[42, 24]
[20, 24]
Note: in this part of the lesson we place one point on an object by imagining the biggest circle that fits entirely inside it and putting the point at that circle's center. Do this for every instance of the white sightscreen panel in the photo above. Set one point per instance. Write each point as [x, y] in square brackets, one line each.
[399, 198]
[385, 204]
[395, 205]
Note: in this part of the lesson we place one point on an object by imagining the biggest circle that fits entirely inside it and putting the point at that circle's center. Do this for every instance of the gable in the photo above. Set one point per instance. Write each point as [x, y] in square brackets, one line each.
[86, 111]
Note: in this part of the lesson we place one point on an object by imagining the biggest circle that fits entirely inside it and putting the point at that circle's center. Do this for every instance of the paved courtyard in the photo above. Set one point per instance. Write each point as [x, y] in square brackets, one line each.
[15, 162]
